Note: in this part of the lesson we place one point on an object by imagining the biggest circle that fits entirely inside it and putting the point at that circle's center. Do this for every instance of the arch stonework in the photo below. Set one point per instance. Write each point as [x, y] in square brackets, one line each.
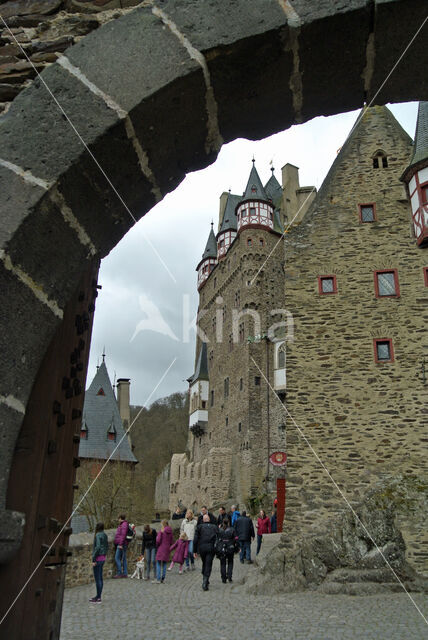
[153, 95]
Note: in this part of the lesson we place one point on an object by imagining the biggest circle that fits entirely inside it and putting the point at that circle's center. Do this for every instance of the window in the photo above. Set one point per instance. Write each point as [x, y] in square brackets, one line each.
[101, 392]
[84, 432]
[204, 404]
[380, 158]
[367, 212]
[249, 242]
[221, 244]
[257, 381]
[212, 398]
[327, 285]
[252, 211]
[241, 384]
[426, 276]
[262, 242]
[239, 427]
[226, 387]
[241, 332]
[281, 360]
[424, 193]
[386, 284]
[244, 213]
[253, 188]
[383, 350]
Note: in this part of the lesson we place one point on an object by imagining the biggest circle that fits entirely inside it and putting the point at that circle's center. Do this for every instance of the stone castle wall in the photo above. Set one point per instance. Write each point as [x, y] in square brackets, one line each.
[366, 421]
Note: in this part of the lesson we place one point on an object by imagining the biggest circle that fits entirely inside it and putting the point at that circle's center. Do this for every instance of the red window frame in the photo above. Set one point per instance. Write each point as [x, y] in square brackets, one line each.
[329, 277]
[367, 204]
[426, 276]
[424, 193]
[391, 350]
[376, 284]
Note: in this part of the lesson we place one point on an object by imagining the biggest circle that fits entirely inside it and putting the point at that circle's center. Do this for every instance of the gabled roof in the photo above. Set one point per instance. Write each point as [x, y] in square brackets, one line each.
[254, 188]
[420, 147]
[229, 222]
[211, 246]
[274, 190]
[201, 370]
[101, 416]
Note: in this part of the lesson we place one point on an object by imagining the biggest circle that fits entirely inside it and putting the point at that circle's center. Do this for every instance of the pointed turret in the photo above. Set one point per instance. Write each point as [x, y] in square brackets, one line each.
[255, 208]
[102, 428]
[198, 391]
[274, 190]
[227, 233]
[209, 259]
[416, 177]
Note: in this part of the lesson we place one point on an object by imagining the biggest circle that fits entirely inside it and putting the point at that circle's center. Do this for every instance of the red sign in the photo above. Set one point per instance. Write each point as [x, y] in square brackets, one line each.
[278, 458]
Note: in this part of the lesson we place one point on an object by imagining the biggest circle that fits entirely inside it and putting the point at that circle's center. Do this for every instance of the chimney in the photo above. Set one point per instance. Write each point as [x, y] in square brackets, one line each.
[123, 385]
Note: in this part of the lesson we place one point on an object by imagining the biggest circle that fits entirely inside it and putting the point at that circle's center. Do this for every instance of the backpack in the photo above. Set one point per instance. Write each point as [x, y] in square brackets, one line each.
[130, 534]
[224, 547]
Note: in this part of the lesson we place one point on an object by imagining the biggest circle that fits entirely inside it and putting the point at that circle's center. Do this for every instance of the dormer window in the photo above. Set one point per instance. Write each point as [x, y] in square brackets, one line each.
[84, 431]
[424, 193]
[111, 433]
[100, 392]
[253, 188]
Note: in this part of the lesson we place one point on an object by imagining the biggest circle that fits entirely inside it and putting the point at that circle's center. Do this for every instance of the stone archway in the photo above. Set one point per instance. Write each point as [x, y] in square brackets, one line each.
[154, 95]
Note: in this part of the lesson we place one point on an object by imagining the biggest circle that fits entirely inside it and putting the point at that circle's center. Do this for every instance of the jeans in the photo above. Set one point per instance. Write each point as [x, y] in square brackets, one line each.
[160, 569]
[190, 554]
[245, 550]
[150, 557]
[120, 559]
[98, 575]
[259, 543]
[226, 573]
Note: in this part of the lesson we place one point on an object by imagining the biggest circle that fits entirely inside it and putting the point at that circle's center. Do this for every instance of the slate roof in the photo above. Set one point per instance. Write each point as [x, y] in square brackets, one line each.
[211, 246]
[101, 415]
[254, 181]
[274, 190]
[420, 147]
[277, 226]
[229, 222]
[201, 370]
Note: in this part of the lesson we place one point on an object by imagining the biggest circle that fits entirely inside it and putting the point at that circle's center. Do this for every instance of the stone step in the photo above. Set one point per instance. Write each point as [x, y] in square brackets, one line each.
[360, 575]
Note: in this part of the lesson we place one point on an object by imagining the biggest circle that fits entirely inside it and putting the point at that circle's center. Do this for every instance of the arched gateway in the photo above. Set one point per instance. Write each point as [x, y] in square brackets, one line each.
[153, 95]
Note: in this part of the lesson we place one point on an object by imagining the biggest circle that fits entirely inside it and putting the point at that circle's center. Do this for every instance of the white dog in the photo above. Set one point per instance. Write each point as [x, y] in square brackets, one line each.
[139, 569]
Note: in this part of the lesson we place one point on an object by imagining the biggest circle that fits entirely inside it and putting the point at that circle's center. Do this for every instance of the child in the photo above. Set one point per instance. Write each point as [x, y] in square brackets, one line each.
[181, 550]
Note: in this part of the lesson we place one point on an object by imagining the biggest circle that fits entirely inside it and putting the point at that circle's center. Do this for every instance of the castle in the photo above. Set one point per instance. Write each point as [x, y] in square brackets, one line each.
[312, 342]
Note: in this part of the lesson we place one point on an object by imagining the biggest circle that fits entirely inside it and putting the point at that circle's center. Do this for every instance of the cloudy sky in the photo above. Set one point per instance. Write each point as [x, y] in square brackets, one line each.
[147, 303]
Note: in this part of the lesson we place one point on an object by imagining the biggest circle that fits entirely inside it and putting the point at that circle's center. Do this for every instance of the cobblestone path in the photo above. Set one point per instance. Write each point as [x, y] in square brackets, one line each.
[178, 609]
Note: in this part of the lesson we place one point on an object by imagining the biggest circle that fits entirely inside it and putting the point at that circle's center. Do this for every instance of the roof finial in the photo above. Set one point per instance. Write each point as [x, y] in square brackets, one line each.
[104, 354]
[98, 363]
[253, 160]
[212, 223]
[271, 166]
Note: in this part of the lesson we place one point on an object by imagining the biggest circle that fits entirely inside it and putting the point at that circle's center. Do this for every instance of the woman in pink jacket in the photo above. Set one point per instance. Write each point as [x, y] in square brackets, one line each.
[163, 545]
[263, 526]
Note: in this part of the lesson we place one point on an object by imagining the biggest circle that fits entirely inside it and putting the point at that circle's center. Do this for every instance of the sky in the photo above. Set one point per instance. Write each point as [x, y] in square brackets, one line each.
[149, 299]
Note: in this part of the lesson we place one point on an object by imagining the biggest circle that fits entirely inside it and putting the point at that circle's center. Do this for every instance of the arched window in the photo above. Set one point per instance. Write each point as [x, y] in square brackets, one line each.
[380, 159]
[281, 360]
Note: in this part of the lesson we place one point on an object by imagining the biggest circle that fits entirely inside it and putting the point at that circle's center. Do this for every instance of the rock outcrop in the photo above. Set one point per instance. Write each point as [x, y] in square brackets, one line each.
[358, 553]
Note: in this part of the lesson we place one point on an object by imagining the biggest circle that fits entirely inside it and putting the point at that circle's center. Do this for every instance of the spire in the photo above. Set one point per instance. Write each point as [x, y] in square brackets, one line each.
[420, 146]
[229, 222]
[254, 186]
[201, 370]
[274, 190]
[211, 246]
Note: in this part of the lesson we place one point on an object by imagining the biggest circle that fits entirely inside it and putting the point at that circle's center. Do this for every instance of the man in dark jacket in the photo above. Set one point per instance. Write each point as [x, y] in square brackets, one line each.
[221, 516]
[245, 531]
[204, 544]
[204, 511]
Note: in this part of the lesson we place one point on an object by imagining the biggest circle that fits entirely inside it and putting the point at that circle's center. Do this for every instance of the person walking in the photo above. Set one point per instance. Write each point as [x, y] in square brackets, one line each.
[263, 526]
[99, 554]
[148, 550]
[227, 538]
[163, 544]
[245, 531]
[221, 516]
[181, 552]
[233, 515]
[204, 544]
[121, 548]
[204, 511]
[188, 526]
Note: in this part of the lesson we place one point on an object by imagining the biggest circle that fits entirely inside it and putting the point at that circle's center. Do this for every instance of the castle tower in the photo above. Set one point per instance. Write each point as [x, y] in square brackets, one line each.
[209, 259]
[255, 208]
[227, 233]
[198, 390]
[415, 177]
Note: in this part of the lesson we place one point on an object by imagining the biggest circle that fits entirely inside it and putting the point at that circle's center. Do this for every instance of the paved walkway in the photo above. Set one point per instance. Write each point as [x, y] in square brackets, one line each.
[178, 609]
